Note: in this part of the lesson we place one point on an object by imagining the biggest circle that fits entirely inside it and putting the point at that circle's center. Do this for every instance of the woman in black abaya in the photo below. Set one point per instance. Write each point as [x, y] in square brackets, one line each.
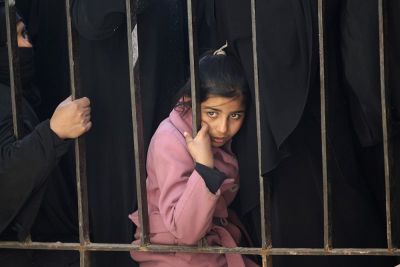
[288, 62]
[105, 78]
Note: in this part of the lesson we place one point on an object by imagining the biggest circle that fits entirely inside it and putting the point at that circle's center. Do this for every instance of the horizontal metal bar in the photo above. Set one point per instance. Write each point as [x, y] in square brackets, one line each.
[194, 249]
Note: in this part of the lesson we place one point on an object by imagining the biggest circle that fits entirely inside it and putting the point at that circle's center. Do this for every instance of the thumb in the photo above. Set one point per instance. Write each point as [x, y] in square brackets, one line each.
[188, 137]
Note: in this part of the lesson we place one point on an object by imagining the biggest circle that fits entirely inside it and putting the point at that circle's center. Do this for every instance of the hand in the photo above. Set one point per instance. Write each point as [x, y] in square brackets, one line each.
[200, 147]
[71, 118]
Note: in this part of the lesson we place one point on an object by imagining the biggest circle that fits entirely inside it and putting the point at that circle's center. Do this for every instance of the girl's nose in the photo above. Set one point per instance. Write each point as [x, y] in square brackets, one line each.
[223, 126]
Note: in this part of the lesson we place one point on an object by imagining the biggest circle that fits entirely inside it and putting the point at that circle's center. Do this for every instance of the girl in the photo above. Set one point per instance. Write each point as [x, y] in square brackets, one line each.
[192, 180]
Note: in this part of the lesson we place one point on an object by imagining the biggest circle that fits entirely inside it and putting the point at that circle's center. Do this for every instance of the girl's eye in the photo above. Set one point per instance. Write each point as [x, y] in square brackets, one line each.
[236, 116]
[211, 114]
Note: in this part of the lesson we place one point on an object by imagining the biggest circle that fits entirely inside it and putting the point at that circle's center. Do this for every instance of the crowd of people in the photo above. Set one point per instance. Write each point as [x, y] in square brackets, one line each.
[202, 189]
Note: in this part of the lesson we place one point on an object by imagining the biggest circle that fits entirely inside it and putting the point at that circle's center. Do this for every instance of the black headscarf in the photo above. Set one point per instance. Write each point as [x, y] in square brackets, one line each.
[25, 58]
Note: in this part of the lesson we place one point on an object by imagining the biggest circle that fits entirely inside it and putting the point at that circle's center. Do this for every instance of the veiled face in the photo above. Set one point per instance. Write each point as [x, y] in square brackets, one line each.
[224, 117]
[22, 38]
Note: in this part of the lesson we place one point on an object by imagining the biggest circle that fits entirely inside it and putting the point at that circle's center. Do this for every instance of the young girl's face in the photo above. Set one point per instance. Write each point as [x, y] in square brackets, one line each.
[224, 117]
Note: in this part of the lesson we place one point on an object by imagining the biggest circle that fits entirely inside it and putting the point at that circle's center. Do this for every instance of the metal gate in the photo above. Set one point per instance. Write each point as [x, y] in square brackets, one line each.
[85, 246]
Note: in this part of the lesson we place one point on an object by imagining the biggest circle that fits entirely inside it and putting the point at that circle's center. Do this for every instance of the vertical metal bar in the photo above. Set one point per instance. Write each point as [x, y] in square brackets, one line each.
[13, 60]
[194, 64]
[385, 125]
[137, 120]
[264, 194]
[266, 261]
[84, 260]
[80, 151]
[326, 182]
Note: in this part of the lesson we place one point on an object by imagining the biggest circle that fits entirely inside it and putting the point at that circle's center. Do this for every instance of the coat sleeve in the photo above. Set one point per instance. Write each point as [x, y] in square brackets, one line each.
[186, 204]
[25, 164]
[38, 152]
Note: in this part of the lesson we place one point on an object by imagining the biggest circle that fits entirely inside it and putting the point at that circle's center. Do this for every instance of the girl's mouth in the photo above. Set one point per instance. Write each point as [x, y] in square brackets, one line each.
[218, 140]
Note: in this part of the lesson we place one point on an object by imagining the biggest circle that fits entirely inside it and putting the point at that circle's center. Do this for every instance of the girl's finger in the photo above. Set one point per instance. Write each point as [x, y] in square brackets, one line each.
[204, 130]
[188, 138]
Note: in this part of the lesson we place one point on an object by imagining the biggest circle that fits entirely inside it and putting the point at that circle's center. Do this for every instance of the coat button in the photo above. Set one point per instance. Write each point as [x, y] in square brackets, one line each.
[223, 221]
[234, 188]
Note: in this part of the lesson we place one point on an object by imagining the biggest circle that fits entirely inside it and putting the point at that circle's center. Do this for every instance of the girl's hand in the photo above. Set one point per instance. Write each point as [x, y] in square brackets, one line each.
[200, 147]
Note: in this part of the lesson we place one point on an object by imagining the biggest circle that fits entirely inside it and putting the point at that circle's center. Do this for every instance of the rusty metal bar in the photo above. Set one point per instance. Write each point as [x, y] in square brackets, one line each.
[84, 257]
[194, 65]
[325, 177]
[80, 151]
[137, 120]
[196, 249]
[264, 194]
[266, 259]
[13, 60]
[385, 126]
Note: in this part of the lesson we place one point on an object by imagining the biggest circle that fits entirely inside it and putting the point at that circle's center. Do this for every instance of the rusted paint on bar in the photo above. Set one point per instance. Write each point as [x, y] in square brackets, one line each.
[266, 260]
[385, 125]
[211, 249]
[326, 182]
[194, 65]
[15, 75]
[137, 121]
[264, 194]
[80, 152]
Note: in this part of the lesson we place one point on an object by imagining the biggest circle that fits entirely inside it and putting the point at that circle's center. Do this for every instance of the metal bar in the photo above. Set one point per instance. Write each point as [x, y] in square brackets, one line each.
[194, 65]
[266, 260]
[326, 182]
[264, 196]
[137, 120]
[196, 249]
[80, 152]
[84, 257]
[15, 75]
[385, 125]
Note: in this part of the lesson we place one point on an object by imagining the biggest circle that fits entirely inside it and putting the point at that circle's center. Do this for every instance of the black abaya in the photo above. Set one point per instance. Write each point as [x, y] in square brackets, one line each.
[105, 79]
[288, 68]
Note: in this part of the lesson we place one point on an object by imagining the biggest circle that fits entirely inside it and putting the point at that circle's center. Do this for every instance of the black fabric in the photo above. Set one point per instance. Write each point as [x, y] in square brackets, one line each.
[287, 42]
[46, 24]
[105, 80]
[15, 258]
[26, 66]
[36, 196]
[212, 177]
[3, 28]
[39, 258]
[360, 56]
[26, 166]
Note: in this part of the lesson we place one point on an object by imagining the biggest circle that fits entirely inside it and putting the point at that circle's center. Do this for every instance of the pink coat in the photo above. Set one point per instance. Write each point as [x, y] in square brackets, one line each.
[181, 208]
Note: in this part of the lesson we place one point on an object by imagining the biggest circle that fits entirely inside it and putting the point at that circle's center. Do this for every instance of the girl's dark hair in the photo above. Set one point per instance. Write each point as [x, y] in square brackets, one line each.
[219, 75]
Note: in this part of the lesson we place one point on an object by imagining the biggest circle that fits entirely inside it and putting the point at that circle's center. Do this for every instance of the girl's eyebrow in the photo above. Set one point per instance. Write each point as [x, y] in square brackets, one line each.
[212, 108]
[215, 109]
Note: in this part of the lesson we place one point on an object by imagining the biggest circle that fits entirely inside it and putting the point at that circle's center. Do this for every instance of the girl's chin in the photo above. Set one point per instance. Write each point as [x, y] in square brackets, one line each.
[217, 144]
